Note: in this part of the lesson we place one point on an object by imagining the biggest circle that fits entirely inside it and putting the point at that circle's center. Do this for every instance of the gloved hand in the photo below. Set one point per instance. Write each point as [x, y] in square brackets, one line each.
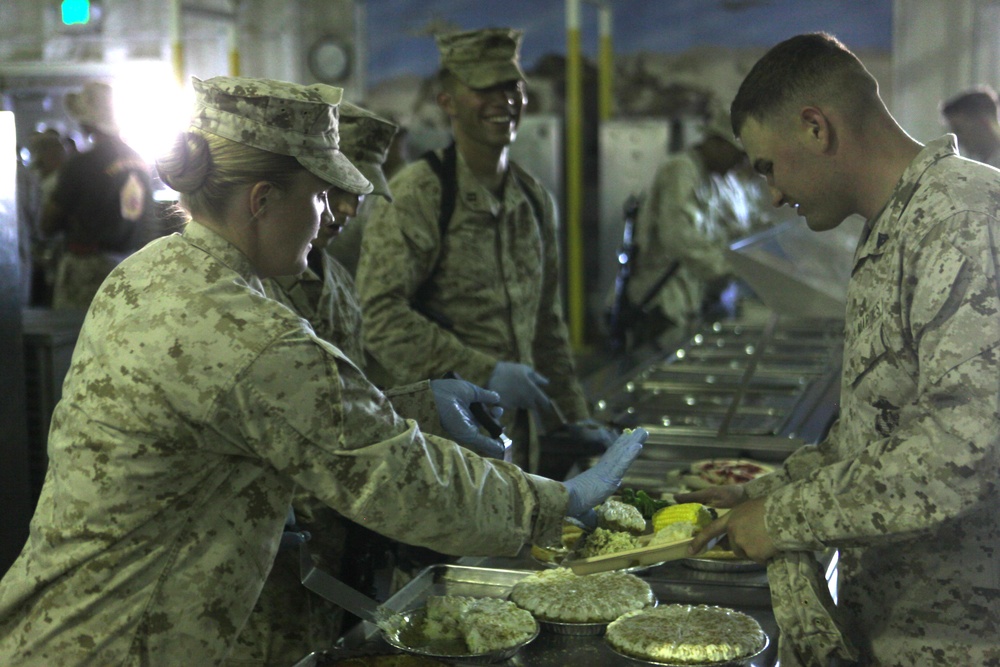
[519, 386]
[453, 398]
[592, 434]
[592, 487]
[292, 536]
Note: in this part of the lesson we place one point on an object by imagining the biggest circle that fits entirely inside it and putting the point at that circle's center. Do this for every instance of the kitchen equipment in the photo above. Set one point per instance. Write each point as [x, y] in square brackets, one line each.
[330, 588]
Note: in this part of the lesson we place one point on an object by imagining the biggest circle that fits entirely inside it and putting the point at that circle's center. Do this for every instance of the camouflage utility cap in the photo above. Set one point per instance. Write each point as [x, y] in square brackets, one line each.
[482, 58]
[280, 117]
[365, 139]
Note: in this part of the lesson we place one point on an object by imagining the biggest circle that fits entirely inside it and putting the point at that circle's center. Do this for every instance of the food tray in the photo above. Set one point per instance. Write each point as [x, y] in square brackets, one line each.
[647, 556]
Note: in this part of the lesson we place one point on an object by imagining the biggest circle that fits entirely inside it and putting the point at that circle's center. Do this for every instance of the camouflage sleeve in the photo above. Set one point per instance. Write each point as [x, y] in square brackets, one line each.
[416, 402]
[337, 436]
[798, 465]
[938, 457]
[398, 252]
[551, 349]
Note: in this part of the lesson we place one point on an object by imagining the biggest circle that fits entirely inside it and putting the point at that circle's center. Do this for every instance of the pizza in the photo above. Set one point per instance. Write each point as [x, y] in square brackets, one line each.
[711, 472]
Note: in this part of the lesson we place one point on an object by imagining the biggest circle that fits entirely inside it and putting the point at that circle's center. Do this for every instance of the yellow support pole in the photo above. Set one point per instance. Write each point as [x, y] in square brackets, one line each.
[605, 65]
[234, 48]
[176, 43]
[576, 299]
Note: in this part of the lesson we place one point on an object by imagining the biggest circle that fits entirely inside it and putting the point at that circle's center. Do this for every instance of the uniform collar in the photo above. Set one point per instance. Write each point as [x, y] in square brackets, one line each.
[209, 241]
[879, 228]
[472, 193]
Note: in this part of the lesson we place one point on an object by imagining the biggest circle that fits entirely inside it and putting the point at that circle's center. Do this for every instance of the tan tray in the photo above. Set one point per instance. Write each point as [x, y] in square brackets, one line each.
[638, 557]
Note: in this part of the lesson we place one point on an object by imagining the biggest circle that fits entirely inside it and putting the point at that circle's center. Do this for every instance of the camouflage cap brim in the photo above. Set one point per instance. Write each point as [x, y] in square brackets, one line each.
[485, 75]
[373, 172]
[336, 169]
[280, 117]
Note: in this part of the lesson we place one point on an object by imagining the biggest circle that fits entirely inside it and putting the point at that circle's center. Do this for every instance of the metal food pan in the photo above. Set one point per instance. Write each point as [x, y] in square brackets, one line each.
[551, 649]
[691, 396]
[664, 445]
[703, 426]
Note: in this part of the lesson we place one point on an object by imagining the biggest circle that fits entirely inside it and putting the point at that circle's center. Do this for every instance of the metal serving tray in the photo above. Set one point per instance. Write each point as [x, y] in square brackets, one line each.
[664, 444]
[744, 592]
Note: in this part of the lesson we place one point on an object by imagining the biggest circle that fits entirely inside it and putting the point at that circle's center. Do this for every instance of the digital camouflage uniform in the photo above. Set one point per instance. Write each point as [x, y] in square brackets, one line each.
[489, 291]
[905, 485]
[328, 302]
[496, 283]
[192, 408]
[288, 621]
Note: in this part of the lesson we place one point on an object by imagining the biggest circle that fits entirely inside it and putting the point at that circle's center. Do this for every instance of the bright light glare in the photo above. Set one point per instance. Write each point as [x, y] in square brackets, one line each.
[151, 108]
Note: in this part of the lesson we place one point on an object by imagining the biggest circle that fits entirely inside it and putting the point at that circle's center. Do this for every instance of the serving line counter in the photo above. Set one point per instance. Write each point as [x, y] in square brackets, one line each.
[671, 582]
[757, 388]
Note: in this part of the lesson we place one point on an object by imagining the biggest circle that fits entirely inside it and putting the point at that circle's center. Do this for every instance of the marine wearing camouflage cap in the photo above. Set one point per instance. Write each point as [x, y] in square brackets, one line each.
[482, 58]
[280, 117]
[365, 139]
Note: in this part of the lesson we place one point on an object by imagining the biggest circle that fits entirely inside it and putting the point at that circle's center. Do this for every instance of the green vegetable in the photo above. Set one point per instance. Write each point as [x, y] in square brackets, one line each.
[643, 502]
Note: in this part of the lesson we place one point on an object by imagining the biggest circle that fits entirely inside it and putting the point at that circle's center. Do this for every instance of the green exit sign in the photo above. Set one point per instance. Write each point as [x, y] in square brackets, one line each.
[75, 12]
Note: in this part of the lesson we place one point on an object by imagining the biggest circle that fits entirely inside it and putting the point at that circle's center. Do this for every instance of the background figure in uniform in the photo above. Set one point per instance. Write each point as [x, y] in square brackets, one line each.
[103, 202]
[195, 405]
[461, 272]
[48, 155]
[697, 204]
[345, 247]
[974, 117]
[905, 484]
[289, 621]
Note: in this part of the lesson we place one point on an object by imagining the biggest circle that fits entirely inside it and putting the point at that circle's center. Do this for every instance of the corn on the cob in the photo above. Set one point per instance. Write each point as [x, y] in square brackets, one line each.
[693, 513]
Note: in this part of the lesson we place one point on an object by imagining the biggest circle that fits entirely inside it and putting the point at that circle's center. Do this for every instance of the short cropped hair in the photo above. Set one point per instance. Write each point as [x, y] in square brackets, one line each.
[809, 68]
[979, 101]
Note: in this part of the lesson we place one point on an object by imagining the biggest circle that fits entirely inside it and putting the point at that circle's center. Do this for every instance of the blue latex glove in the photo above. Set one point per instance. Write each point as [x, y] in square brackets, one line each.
[453, 398]
[519, 387]
[292, 536]
[592, 487]
[592, 434]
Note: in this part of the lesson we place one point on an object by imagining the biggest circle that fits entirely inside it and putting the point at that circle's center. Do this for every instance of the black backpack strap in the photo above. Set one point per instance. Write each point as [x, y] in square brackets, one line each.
[447, 172]
[446, 168]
